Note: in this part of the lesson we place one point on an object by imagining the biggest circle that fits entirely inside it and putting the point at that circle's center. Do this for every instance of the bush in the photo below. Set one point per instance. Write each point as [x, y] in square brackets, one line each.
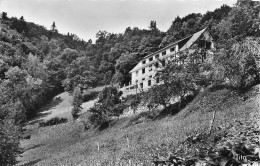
[158, 95]
[75, 112]
[238, 65]
[96, 119]
[108, 104]
[77, 98]
[9, 143]
[97, 114]
[53, 121]
[89, 96]
[131, 99]
[76, 102]
[119, 109]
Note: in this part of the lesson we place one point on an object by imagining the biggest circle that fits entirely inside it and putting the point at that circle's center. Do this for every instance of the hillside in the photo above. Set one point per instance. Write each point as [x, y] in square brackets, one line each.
[37, 63]
[149, 134]
[55, 62]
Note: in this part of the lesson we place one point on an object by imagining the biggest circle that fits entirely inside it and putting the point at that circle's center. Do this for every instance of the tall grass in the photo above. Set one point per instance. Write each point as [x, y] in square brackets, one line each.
[138, 139]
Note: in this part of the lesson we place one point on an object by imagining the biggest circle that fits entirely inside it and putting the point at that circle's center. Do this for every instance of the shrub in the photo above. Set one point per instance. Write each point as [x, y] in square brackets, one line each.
[119, 109]
[77, 98]
[237, 65]
[132, 99]
[9, 143]
[89, 96]
[108, 105]
[76, 102]
[53, 121]
[75, 112]
[158, 95]
[96, 119]
[98, 114]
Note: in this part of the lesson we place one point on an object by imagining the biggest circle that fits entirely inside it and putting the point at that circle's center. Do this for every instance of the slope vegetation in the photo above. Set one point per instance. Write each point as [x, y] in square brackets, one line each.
[139, 138]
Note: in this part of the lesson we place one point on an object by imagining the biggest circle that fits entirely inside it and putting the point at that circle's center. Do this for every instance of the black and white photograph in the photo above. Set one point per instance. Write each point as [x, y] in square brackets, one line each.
[129, 82]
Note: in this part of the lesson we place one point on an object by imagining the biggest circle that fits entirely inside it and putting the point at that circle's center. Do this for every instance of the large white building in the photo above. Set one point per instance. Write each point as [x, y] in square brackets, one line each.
[143, 74]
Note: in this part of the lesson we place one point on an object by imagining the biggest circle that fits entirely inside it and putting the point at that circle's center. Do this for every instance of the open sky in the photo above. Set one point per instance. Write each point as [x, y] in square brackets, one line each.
[86, 17]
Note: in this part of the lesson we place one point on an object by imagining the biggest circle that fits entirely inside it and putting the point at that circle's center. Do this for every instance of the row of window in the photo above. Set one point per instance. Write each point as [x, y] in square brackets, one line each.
[157, 55]
[149, 81]
[151, 67]
[150, 77]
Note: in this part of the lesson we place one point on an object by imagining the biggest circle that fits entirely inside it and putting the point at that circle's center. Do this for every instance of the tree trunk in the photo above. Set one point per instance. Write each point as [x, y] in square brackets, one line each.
[180, 103]
[211, 124]
[165, 106]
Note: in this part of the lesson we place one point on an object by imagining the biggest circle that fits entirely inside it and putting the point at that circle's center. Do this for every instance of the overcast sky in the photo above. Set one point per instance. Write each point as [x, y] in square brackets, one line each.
[86, 17]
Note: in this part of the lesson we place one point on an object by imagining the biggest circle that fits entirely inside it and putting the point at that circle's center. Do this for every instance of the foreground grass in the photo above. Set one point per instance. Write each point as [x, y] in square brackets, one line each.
[137, 139]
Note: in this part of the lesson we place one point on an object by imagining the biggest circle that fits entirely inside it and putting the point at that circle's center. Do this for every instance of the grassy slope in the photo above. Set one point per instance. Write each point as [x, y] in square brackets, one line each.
[68, 144]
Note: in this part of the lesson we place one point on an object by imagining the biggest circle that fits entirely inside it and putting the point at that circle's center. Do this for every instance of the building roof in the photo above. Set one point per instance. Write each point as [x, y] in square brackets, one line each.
[184, 43]
[193, 38]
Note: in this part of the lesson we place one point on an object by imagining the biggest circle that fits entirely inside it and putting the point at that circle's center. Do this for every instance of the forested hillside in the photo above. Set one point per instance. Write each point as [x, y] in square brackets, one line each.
[36, 63]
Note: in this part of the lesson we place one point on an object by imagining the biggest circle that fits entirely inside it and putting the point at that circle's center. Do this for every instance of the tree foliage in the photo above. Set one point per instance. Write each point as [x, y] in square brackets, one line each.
[158, 95]
[37, 64]
[76, 102]
[238, 64]
[108, 104]
[9, 142]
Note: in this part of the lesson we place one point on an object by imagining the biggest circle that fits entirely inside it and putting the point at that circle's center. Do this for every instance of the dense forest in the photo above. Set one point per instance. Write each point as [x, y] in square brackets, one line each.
[37, 63]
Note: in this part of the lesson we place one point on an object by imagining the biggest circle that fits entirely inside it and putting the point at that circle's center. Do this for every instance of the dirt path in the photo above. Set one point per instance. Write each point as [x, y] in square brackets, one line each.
[61, 107]
[38, 147]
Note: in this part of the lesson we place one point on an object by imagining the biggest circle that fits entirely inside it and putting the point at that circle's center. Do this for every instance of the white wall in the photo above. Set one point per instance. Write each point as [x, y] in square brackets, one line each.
[140, 76]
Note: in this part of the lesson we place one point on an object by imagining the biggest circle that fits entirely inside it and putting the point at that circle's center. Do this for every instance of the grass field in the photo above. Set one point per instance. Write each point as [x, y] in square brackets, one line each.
[138, 138]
